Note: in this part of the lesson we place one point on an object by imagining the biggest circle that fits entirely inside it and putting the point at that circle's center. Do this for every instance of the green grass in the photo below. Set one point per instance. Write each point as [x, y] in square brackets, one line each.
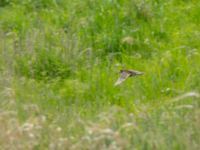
[59, 61]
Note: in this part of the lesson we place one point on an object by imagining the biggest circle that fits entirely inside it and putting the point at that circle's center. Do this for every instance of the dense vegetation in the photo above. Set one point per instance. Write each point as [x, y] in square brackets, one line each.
[59, 60]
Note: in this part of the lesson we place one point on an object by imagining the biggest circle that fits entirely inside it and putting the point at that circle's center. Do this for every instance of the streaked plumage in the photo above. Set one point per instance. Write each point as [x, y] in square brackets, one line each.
[124, 74]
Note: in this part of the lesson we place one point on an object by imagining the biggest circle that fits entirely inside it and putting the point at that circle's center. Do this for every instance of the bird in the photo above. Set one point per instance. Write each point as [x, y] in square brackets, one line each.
[125, 73]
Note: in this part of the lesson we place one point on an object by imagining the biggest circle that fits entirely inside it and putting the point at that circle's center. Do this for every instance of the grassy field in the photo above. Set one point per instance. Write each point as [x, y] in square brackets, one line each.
[59, 60]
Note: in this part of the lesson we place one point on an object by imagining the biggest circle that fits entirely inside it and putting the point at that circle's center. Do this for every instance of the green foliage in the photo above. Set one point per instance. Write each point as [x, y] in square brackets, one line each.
[46, 64]
[59, 61]
[4, 2]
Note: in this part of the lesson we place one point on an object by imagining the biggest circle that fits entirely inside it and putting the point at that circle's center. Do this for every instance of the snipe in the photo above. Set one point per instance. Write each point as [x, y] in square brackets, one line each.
[125, 73]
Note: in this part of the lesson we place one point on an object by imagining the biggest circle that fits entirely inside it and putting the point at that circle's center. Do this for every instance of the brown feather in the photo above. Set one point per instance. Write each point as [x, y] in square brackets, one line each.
[124, 74]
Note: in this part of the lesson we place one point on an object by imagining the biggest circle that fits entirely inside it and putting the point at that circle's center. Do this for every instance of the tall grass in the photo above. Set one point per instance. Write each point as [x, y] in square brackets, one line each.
[59, 61]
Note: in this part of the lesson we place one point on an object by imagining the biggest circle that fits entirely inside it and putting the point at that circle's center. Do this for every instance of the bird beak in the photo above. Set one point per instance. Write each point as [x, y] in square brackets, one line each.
[140, 73]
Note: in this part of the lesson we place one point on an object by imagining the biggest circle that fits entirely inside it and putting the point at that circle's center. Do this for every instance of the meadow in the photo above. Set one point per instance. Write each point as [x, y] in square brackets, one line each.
[59, 60]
